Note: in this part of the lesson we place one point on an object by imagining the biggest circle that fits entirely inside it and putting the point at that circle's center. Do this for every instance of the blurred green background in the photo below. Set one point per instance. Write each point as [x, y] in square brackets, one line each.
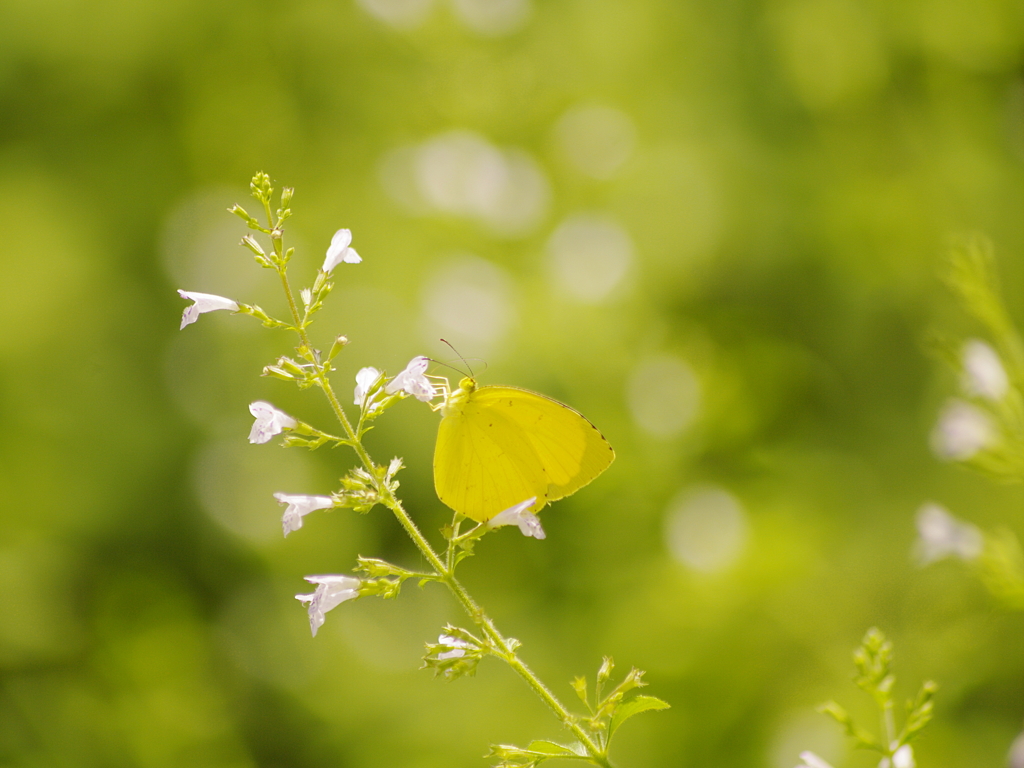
[714, 227]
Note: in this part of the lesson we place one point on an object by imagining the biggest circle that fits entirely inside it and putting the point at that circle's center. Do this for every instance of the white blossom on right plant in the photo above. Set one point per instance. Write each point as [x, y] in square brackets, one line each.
[983, 372]
[901, 758]
[962, 430]
[941, 535]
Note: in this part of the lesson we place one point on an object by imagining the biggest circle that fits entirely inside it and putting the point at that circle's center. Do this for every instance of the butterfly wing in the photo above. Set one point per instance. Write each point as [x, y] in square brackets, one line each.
[484, 464]
[503, 445]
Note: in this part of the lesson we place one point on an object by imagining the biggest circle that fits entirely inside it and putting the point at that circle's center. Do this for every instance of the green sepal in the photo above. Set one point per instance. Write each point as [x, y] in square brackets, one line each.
[376, 568]
[339, 344]
[259, 314]
[384, 588]
[635, 706]
[301, 442]
[579, 685]
[241, 213]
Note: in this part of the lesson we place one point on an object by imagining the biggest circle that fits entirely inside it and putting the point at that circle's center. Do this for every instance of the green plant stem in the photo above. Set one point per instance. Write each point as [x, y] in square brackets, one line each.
[497, 639]
[447, 575]
[889, 726]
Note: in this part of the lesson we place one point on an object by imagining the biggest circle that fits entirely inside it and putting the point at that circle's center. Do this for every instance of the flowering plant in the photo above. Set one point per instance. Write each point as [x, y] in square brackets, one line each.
[457, 651]
[873, 660]
[982, 428]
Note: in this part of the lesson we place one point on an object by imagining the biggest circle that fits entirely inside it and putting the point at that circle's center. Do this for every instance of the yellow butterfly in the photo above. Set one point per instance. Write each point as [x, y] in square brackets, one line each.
[499, 446]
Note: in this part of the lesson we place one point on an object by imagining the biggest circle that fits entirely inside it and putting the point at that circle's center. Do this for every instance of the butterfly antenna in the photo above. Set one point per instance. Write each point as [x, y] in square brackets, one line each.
[459, 355]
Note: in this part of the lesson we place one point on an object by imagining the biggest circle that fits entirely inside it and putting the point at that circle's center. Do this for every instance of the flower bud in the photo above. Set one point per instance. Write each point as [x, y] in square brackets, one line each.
[250, 242]
[240, 212]
[277, 373]
[339, 344]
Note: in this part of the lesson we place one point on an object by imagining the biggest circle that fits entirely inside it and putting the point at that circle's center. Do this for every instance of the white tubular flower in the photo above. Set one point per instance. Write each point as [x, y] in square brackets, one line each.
[203, 302]
[457, 647]
[983, 372]
[269, 422]
[520, 515]
[811, 760]
[962, 431]
[901, 758]
[299, 506]
[340, 252]
[904, 757]
[940, 535]
[364, 380]
[393, 466]
[413, 381]
[330, 591]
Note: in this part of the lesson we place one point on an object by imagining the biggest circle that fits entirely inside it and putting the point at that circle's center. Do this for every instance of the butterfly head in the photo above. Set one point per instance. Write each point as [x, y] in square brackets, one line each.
[454, 399]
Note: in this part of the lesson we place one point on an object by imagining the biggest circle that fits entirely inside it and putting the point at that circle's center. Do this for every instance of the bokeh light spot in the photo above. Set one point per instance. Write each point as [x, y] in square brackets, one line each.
[198, 245]
[235, 483]
[663, 395]
[401, 14]
[461, 173]
[470, 302]
[706, 528]
[589, 256]
[493, 17]
[595, 139]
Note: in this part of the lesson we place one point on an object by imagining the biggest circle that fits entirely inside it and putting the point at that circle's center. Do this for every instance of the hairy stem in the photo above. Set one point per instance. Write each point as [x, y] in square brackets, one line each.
[444, 569]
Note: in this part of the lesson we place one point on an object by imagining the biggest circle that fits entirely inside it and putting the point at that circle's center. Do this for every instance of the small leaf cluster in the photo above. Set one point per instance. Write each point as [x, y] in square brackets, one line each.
[873, 660]
[605, 713]
[972, 276]
[384, 579]
[362, 490]
[455, 654]
[457, 651]
[998, 407]
[277, 258]
[262, 190]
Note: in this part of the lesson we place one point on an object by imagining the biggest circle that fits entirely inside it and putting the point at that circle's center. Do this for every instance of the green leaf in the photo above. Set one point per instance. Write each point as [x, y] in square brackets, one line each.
[557, 750]
[634, 706]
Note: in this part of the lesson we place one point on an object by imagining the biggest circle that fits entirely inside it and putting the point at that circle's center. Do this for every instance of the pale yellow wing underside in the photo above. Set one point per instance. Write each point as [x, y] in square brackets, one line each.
[503, 445]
